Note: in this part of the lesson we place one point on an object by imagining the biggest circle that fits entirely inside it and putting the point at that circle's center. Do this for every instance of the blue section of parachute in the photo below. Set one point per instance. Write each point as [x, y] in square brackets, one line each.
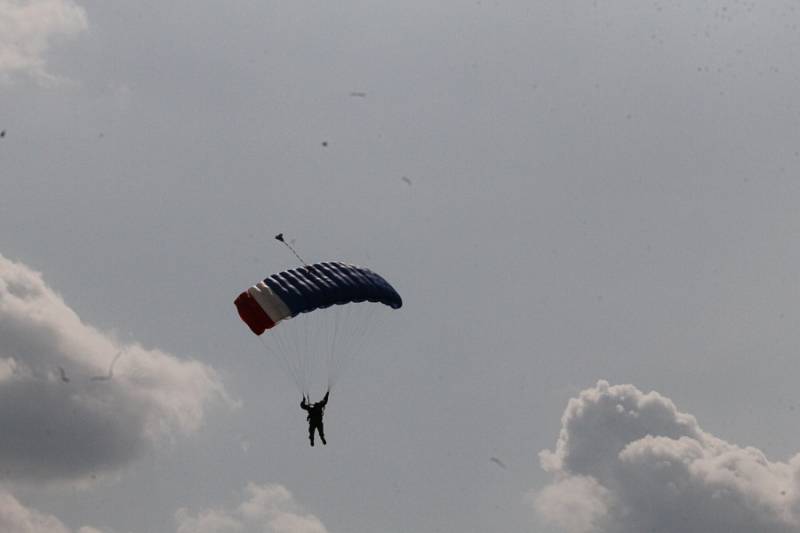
[322, 285]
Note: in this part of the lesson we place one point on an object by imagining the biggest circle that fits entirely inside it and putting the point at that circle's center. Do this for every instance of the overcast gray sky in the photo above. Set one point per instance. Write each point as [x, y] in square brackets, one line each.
[600, 202]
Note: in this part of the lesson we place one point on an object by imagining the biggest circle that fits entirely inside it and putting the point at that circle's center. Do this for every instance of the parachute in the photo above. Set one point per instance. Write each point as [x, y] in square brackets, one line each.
[315, 317]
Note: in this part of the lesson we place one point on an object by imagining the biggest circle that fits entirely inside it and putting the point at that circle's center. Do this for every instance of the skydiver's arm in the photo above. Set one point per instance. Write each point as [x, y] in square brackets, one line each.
[304, 404]
[325, 399]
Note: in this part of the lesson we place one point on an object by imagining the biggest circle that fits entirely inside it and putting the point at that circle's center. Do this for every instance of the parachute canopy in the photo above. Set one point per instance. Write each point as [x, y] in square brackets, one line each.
[305, 289]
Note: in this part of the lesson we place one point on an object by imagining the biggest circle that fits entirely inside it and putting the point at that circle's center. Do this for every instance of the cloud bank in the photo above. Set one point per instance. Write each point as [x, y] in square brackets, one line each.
[56, 429]
[266, 509]
[16, 518]
[627, 462]
[28, 28]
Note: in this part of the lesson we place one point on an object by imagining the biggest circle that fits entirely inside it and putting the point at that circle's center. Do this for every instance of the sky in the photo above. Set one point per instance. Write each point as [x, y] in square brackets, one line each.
[589, 209]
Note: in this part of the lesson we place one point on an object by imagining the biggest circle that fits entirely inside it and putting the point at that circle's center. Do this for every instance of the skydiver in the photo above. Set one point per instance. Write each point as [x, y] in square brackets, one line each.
[315, 412]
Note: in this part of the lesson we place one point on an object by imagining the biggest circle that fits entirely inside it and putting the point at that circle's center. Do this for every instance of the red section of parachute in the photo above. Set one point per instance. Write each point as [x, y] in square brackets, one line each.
[252, 314]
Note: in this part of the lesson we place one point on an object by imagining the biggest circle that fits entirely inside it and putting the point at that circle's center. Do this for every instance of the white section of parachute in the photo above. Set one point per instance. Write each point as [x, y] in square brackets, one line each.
[269, 302]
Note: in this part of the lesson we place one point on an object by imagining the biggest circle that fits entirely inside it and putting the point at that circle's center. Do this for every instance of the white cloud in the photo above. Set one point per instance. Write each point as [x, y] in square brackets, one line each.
[16, 518]
[208, 521]
[54, 429]
[27, 30]
[627, 462]
[266, 509]
[7, 368]
[575, 502]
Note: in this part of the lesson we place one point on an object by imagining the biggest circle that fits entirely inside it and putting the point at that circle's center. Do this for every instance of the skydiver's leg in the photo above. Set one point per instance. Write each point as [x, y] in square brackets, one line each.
[322, 433]
[311, 434]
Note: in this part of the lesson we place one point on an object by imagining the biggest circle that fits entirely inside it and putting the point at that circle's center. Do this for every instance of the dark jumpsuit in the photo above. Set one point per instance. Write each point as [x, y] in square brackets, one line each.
[315, 412]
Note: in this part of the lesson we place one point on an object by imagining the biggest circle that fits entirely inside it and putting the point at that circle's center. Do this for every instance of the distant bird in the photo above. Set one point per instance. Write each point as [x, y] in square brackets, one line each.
[498, 462]
[359, 94]
[110, 369]
[2, 134]
[408, 181]
[325, 143]
[64, 377]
